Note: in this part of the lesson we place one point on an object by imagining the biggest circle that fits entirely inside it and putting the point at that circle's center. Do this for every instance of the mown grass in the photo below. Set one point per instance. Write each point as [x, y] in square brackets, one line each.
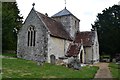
[115, 70]
[19, 68]
[9, 54]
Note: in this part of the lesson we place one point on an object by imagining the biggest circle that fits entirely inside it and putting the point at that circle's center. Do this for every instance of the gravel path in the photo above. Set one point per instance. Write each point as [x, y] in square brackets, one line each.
[103, 71]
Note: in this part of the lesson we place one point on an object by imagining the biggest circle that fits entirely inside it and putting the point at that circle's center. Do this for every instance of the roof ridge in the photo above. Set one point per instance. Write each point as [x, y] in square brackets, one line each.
[62, 13]
[51, 23]
[47, 17]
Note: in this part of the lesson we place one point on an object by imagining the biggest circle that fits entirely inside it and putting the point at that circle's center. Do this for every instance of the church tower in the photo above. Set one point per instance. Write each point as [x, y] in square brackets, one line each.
[70, 22]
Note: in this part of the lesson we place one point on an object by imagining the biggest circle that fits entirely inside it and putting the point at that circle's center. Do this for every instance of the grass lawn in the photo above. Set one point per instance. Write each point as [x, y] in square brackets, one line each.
[115, 70]
[19, 68]
[9, 54]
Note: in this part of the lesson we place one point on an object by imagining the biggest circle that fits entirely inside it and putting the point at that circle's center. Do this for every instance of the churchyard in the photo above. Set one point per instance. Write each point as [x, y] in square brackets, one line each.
[13, 67]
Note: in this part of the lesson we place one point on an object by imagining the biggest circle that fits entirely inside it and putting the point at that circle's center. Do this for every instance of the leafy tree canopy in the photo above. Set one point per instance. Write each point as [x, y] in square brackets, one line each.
[108, 28]
[10, 19]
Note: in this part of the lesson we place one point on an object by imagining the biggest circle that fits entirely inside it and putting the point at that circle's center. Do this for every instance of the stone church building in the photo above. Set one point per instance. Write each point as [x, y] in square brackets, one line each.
[49, 39]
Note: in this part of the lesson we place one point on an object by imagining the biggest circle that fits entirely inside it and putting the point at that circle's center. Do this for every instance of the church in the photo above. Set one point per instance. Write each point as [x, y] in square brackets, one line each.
[50, 39]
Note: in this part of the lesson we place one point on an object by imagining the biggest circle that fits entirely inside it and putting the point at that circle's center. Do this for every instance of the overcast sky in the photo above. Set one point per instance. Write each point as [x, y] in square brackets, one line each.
[85, 10]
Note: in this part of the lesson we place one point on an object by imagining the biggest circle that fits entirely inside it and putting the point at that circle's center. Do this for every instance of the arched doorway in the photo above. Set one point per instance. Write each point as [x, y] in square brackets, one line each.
[81, 57]
[52, 59]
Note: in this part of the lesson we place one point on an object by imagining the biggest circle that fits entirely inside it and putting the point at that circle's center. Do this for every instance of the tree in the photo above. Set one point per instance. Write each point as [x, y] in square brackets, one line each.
[10, 19]
[0, 26]
[108, 28]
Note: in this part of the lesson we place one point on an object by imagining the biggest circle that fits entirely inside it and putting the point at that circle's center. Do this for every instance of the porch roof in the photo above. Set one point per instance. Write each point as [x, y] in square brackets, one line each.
[73, 49]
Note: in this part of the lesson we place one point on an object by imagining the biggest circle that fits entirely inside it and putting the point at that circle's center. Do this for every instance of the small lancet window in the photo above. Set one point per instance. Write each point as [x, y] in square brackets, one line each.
[75, 24]
[31, 36]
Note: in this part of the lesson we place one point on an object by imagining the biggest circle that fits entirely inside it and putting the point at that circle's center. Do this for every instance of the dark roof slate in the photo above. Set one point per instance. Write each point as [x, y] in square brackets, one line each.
[56, 28]
[63, 12]
[87, 38]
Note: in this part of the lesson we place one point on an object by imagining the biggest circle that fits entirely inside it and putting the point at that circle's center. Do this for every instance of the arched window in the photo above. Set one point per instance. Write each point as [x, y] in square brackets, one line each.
[31, 36]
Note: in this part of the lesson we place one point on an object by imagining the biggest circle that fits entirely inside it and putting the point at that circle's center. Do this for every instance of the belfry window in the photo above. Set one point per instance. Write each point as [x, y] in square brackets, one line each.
[31, 36]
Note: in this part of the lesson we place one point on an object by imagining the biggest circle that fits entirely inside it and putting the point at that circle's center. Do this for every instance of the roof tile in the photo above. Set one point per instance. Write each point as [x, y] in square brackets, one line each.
[85, 37]
[64, 12]
[56, 28]
[73, 49]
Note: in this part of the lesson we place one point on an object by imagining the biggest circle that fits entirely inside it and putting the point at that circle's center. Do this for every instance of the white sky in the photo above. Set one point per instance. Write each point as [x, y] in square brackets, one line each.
[85, 10]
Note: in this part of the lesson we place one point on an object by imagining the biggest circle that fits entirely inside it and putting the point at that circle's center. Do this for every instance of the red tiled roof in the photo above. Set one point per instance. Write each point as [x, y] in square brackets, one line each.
[85, 37]
[73, 49]
[56, 28]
